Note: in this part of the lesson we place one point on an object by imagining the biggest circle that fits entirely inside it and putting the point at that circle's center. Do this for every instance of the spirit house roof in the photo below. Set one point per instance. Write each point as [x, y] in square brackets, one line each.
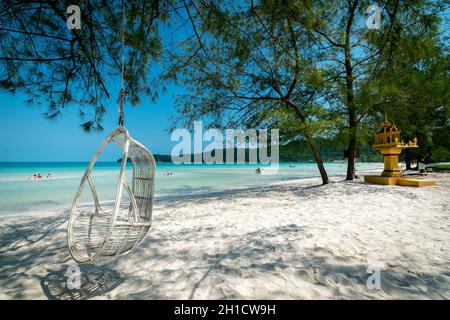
[389, 136]
[386, 126]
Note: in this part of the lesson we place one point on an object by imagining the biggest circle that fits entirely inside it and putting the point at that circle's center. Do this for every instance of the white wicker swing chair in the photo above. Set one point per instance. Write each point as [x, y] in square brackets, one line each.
[96, 233]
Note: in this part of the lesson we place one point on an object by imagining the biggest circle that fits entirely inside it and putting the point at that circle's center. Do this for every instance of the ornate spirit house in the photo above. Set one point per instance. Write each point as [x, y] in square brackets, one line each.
[388, 142]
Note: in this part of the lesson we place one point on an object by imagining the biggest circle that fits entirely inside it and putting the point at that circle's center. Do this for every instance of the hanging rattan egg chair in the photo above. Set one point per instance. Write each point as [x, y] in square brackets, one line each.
[95, 232]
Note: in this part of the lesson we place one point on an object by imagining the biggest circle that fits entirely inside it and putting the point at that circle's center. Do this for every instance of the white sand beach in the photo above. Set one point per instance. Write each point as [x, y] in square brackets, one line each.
[295, 240]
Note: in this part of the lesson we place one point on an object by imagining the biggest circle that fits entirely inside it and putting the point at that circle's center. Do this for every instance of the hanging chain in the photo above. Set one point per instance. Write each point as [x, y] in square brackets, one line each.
[122, 90]
[121, 106]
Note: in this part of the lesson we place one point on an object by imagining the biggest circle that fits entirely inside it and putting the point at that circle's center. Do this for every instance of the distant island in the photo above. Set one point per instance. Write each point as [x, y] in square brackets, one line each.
[297, 151]
[158, 158]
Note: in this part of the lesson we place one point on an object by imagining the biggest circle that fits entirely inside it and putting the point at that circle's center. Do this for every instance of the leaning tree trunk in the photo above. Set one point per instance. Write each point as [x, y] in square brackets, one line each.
[311, 143]
[317, 157]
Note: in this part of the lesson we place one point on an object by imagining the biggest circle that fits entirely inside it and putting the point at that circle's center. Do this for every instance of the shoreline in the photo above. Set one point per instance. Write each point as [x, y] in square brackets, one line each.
[25, 196]
[50, 209]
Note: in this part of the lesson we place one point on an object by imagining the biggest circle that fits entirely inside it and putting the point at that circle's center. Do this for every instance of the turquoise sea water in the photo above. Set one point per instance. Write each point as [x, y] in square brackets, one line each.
[19, 194]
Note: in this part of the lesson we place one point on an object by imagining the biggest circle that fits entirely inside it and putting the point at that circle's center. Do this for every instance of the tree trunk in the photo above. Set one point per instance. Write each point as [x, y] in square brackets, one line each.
[312, 145]
[352, 122]
[317, 157]
[408, 159]
[351, 148]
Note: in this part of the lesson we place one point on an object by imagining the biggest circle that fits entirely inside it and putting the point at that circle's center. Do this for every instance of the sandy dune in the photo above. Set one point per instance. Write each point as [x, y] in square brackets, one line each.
[294, 240]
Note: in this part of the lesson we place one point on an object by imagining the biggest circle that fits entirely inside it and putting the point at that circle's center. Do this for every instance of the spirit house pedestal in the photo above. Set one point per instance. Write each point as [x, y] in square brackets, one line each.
[387, 141]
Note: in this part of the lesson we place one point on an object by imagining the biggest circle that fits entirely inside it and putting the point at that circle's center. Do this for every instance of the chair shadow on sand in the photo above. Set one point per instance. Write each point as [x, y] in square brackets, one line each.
[94, 281]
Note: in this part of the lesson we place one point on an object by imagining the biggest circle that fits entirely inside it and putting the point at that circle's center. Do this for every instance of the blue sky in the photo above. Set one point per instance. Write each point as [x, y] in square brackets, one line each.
[27, 136]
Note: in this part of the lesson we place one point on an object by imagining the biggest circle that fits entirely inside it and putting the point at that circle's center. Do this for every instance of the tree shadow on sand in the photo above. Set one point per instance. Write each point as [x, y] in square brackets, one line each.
[268, 261]
[29, 251]
[88, 282]
[344, 277]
